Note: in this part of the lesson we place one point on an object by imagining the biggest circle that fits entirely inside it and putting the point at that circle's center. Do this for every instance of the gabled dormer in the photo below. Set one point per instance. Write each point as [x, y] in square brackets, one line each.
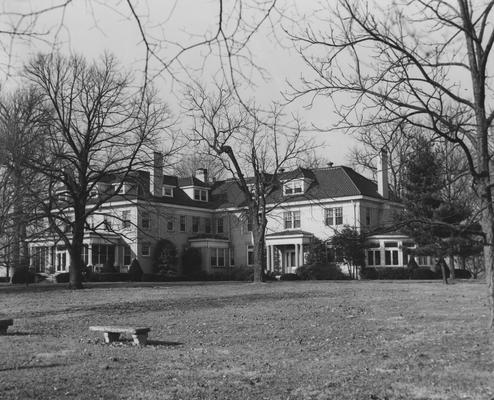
[296, 182]
[196, 187]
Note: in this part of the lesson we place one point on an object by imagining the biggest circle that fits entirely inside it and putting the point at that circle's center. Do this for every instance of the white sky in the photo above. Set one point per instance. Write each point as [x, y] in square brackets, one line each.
[91, 27]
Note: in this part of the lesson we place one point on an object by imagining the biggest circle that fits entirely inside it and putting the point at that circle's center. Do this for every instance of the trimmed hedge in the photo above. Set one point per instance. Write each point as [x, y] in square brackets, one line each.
[320, 271]
[21, 275]
[289, 277]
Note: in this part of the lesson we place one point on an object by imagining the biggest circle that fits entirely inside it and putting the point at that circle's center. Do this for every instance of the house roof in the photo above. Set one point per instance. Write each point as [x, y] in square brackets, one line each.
[191, 181]
[326, 183]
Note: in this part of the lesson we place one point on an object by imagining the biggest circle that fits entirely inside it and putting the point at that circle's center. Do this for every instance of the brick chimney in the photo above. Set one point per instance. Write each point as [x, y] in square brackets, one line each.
[156, 183]
[382, 174]
[202, 174]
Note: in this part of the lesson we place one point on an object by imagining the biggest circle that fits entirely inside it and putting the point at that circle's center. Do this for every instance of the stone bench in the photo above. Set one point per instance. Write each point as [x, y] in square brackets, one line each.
[4, 324]
[112, 333]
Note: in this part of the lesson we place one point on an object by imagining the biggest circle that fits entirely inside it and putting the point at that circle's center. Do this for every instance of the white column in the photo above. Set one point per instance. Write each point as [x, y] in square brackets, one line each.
[268, 258]
[273, 249]
[296, 256]
[90, 254]
[301, 262]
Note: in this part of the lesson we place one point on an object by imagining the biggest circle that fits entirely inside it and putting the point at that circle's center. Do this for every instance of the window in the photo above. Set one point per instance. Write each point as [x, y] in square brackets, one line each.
[207, 225]
[249, 224]
[123, 189]
[220, 225]
[200, 194]
[145, 220]
[294, 187]
[292, 219]
[169, 225]
[390, 257]
[368, 216]
[218, 257]
[195, 224]
[183, 223]
[103, 254]
[334, 216]
[125, 219]
[390, 244]
[167, 191]
[127, 258]
[250, 255]
[373, 258]
[145, 250]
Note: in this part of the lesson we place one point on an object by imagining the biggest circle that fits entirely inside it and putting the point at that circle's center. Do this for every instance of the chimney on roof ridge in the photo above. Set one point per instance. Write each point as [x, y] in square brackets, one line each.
[281, 170]
[382, 174]
[156, 183]
[330, 164]
[202, 174]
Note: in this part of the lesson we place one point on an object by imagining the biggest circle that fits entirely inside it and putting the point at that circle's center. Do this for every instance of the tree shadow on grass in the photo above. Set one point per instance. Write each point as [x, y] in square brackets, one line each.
[31, 366]
[20, 334]
[150, 342]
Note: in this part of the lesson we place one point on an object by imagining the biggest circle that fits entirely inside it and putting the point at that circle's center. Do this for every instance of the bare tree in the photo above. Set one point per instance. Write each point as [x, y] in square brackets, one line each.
[188, 164]
[253, 146]
[425, 62]
[22, 134]
[100, 127]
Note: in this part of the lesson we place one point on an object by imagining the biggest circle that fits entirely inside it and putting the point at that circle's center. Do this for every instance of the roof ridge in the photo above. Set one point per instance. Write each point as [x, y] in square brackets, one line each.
[351, 180]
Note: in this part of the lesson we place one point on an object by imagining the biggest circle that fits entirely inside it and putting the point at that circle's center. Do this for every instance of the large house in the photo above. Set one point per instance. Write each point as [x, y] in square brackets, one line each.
[154, 217]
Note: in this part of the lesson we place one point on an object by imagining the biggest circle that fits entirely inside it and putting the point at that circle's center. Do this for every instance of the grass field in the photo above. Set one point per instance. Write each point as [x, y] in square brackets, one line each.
[281, 340]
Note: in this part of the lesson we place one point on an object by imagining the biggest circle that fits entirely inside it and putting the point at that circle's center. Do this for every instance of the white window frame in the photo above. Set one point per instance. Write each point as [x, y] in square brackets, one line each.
[184, 219]
[145, 217]
[215, 251]
[333, 216]
[167, 191]
[145, 249]
[293, 188]
[126, 219]
[200, 195]
[292, 219]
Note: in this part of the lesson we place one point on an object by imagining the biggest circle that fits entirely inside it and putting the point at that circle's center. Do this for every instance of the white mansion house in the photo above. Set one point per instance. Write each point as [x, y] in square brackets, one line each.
[152, 209]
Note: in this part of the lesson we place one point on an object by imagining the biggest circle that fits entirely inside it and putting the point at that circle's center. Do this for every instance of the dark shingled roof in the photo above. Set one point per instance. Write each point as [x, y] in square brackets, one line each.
[191, 181]
[326, 183]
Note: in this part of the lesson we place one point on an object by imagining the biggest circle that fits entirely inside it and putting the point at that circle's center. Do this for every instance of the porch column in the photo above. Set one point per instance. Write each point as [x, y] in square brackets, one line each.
[268, 257]
[296, 256]
[90, 254]
[301, 261]
[273, 249]
[282, 262]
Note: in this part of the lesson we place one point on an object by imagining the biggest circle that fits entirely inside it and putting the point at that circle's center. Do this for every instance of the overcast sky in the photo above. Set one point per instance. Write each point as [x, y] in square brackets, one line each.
[91, 27]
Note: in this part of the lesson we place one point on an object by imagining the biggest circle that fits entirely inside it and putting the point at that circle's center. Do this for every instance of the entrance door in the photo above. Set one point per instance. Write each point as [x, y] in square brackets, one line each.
[290, 259]
[61, 261]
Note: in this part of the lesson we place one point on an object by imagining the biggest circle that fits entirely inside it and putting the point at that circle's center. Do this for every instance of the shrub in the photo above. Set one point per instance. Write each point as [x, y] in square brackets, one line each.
[289, 277]
[4, 279]
[369, 273]
[191, 263]
[109, 277]
[63, 277]
[22, 275]
[320, 271]
[244, 274]
[108, 268]
[135, 271]
[424, 273]
[463, 274]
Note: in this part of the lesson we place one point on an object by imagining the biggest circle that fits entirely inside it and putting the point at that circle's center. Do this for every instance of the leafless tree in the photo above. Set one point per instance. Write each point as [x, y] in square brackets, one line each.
[100, 128]
[425, 62]
[253, 146]
[188, 164]
[22, 134]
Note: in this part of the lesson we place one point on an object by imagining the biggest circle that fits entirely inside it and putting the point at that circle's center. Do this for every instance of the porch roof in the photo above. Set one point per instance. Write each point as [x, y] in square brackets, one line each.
[296, 236]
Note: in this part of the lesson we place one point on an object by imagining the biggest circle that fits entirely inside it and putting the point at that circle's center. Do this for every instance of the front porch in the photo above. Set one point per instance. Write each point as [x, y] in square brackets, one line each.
[285, 251]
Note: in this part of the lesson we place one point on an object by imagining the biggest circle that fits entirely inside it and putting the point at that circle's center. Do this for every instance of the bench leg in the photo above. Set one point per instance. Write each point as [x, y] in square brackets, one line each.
[141, 339]
[111, 337]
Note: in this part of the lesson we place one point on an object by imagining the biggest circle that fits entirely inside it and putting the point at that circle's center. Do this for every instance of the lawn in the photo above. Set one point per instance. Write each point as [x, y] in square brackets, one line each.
[281, 340]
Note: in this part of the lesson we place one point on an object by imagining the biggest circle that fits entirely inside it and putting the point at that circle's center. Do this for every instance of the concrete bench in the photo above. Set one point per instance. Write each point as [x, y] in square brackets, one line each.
[4, 324]
[112, 333]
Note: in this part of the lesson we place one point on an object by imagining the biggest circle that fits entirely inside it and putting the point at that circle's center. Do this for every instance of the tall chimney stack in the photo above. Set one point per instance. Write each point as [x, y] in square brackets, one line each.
[202, 174]
[156, 183]
[382, 174]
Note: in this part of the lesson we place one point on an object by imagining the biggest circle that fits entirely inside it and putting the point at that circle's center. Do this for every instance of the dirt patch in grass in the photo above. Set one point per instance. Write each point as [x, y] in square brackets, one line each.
[282, 340]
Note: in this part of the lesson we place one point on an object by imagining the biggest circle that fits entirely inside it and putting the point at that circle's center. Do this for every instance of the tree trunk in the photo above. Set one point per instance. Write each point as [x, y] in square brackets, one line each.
[488, 229]
[442, 264]
[75, 250]
[451, 267]
[258, 253]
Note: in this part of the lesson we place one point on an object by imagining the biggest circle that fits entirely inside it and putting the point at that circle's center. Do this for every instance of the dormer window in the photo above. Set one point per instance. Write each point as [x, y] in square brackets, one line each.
[293, 188]
[167, 191]
[200, 194]
[123, 189]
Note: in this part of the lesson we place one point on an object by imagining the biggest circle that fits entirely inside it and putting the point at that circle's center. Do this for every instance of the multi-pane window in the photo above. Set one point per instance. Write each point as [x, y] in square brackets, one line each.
[145, 220]
[220, 228]
[292, 219]
[207, 225]
[373, 258]
[334, 216]
[169, 225]
[250, 255]
[218, 257]
[167, 191]
[294, 187]
[126, 219]
[102, 254]
[200, 194]
[391, 253]
[127, 256]
[183, 223]
[195, 224]
[145, 249]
